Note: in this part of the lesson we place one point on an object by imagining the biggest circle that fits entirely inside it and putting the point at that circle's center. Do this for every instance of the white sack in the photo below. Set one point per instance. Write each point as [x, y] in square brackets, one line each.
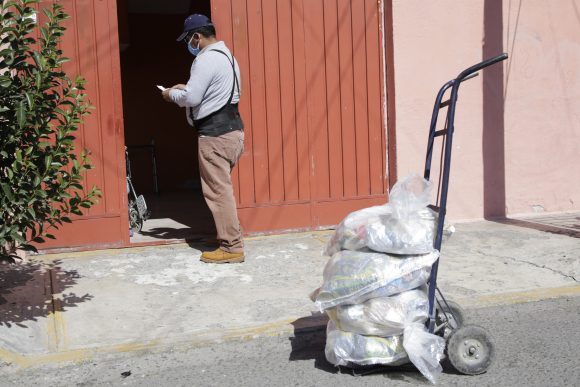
[352, 277]
[344, 348]
[405, 225]
[423, 349]
[383, 316]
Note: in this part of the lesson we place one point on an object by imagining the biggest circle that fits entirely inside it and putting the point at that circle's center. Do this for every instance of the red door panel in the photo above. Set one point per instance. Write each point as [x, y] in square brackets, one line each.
[312, 101]
[91, 42]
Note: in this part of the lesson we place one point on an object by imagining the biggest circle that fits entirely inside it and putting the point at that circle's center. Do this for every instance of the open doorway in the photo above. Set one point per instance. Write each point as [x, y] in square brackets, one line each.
[162, 147]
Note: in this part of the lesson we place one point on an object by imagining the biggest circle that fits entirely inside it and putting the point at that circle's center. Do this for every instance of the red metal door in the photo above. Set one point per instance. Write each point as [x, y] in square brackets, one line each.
[312, 101]
[91, 42]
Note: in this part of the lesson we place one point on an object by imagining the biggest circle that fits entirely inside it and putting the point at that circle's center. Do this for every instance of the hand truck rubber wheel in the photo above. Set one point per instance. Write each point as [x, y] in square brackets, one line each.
[470, 350]
[135, 220]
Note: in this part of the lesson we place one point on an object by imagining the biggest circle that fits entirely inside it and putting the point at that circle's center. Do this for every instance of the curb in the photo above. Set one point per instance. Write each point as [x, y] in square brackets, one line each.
[287, 327]
[520, 297]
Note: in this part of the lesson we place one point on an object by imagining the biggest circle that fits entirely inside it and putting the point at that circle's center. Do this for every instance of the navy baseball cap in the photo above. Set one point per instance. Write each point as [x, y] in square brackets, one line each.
[194, 22]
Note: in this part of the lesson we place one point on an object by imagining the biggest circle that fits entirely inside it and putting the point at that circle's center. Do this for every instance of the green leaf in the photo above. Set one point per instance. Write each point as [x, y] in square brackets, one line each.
[27, 247]
[47, 162]
[21, 114]
[7, 191]
[15, 235]
[29, 100]
[38, 80]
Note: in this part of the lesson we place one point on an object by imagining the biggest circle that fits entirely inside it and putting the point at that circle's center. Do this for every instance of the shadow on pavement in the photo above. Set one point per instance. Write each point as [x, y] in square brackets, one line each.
[176, 216]
[308, 344]
[185, 234]
[202, 244]
[33, 289]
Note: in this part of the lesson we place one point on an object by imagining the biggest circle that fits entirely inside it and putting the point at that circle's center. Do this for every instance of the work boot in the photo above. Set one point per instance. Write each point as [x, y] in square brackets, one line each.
[222, 256]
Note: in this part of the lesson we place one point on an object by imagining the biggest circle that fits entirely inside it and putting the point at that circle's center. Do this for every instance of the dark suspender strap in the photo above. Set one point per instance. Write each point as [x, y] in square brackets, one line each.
[232, 62]
[225, 119]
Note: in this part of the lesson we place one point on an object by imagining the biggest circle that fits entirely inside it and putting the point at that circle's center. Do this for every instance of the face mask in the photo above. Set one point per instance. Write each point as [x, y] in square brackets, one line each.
[193, 51]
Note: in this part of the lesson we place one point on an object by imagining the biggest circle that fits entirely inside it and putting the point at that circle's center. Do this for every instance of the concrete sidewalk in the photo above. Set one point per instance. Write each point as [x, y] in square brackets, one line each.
[71, 307]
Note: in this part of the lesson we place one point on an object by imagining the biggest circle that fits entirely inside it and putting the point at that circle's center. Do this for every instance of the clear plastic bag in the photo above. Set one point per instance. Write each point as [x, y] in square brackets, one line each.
[409, 195]
[417, 345]
[352, 277]
[425, 350]
[351, 233]
[412, 234]
[383, 316]
[346, 348]
[403, 226]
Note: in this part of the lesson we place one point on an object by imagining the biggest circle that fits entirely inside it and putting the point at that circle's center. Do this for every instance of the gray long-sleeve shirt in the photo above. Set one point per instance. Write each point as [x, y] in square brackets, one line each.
[210, 82]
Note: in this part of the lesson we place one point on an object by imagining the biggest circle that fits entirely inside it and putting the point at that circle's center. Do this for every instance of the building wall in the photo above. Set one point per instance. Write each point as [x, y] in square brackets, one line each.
[542, 111]
[517, 124]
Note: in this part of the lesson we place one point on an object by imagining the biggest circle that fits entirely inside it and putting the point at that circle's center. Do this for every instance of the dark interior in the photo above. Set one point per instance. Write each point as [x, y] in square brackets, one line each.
[151, 56]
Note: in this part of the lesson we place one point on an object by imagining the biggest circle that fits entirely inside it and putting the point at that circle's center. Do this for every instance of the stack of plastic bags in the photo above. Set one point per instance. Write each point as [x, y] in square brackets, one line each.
[374, 285]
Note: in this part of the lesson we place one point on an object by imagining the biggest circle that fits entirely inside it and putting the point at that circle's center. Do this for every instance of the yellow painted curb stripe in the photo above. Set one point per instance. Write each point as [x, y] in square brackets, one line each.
[76, 356]
[520, 297]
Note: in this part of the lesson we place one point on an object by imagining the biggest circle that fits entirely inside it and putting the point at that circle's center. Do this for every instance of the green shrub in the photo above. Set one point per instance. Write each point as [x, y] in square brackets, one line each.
[41, 174]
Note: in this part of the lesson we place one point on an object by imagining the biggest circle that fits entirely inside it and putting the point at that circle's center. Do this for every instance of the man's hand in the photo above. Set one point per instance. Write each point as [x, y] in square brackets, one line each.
[165, 93]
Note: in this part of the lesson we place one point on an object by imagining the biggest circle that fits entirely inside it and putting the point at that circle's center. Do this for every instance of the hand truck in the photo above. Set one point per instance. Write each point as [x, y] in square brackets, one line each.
[469, 347]
[138, 212]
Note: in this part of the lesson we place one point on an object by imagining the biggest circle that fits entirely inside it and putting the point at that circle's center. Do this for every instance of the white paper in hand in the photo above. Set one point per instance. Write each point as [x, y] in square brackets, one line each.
[161, 88]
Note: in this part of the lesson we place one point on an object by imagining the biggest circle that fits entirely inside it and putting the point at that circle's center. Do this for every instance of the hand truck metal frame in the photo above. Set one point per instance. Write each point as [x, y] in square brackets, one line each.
[469, 347]
[138, 212]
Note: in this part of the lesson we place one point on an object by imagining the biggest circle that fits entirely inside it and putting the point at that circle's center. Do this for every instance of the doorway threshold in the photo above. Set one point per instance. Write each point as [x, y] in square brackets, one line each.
[177, 217]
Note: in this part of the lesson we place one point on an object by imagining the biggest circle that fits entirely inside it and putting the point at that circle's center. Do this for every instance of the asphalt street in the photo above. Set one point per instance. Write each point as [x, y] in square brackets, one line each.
[536, 344]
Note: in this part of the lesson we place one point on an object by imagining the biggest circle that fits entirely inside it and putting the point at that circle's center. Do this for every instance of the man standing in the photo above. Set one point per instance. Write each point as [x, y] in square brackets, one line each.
[211, 100]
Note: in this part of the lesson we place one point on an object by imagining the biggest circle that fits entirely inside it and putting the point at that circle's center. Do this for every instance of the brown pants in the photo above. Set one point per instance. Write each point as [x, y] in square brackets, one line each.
[217, 157]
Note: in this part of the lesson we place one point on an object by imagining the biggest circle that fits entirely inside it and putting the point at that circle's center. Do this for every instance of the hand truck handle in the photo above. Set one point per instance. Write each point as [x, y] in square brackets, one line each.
[465, 73]
[470, 76]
